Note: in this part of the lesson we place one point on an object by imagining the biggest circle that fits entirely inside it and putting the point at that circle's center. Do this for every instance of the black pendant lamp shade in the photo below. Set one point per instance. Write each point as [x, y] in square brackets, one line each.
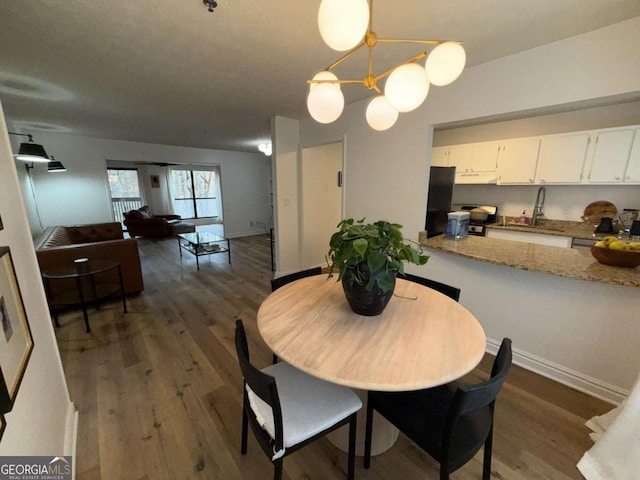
[55, 166]
[32, 152]
[29, 151]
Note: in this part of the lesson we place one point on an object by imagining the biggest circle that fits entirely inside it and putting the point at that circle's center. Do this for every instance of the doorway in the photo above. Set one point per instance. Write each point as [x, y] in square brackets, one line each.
[320, 200]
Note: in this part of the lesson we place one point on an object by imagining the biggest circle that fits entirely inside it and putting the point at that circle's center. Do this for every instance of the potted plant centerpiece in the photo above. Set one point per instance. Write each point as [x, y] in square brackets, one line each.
[368, 257]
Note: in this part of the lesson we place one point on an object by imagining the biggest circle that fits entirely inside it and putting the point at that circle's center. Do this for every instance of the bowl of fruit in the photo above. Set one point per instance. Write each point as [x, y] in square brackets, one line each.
[619, 253]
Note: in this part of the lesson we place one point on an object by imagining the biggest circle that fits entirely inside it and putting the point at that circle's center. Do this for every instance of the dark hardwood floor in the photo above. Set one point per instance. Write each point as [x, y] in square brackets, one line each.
[159, 389]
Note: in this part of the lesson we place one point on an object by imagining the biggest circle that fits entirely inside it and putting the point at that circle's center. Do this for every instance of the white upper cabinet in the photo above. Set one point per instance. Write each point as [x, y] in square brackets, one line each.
[633, 168]
[460, 157]
[562, 158]
[610, 156]
[517, 161]
[440, 157]
[484, 156]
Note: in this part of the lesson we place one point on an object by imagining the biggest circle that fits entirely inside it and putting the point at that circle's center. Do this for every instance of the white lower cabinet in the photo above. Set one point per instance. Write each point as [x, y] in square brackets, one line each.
[537, 238]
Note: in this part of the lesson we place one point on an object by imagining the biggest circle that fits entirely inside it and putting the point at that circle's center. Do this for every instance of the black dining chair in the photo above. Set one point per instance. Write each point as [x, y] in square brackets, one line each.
[287, 409]
[448, 290]
[276, 283]
[450, 422]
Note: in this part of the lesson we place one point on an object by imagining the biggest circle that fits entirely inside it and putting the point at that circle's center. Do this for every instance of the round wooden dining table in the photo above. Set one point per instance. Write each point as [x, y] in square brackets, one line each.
[422, 339]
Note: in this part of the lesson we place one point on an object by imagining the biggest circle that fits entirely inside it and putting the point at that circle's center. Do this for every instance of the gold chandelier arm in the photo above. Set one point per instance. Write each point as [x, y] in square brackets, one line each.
[375, 87]
[411, 60]
[337, 81]
[422, 42]
[345, 56]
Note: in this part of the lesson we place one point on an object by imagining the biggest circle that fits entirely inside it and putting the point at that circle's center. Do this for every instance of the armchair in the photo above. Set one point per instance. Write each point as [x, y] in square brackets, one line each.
[142, 223]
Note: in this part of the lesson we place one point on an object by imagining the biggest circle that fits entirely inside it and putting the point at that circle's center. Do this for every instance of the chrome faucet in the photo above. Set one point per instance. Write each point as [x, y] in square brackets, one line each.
[538, 209]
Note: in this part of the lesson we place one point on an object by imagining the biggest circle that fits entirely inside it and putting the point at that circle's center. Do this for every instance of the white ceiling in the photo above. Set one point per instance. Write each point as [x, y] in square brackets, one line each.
[170, 72]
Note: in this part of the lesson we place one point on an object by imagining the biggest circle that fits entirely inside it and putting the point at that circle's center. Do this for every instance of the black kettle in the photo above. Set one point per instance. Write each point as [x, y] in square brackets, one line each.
[605, 225]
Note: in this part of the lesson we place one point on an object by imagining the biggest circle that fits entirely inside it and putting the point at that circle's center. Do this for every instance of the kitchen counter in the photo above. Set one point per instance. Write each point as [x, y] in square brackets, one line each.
[559, 228]
[564, 262]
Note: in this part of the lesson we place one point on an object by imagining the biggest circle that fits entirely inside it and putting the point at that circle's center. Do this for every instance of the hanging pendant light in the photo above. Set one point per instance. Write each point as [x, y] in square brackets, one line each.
[346, 25]
[407, 87]
[380, 114]
[325, 102]
[343, 23]
[445, 63]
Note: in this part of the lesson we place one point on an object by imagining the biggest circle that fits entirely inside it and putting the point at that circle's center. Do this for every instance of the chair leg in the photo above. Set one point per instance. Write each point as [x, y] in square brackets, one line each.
[368, 434]
[245, 426]
[277, 469]
[488, 447]
[444, 474]
[275, 359]
[352, 446]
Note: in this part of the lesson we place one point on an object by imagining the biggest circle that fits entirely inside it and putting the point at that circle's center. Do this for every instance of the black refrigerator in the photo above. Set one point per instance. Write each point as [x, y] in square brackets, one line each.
[441, 180]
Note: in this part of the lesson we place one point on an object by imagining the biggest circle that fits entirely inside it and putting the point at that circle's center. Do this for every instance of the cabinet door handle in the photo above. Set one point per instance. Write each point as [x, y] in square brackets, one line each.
[531, 180]
[617, 178]
[542, 180]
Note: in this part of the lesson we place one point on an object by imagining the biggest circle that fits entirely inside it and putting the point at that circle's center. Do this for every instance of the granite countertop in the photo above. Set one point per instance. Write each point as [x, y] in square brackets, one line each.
[561, 228]
[575, 263]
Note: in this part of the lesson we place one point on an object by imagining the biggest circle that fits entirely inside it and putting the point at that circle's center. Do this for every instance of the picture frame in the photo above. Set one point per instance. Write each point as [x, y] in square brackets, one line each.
[16, 341]
[155, 181]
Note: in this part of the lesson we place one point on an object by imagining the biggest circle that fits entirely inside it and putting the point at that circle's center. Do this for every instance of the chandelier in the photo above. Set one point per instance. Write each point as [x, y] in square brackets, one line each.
[346, 25]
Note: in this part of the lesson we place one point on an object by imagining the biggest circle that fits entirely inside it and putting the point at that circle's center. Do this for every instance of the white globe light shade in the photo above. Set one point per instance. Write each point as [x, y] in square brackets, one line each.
[325, 103]
[407, 87]
[324, 75]
[445, 63]
[343, 23]
[380, 115]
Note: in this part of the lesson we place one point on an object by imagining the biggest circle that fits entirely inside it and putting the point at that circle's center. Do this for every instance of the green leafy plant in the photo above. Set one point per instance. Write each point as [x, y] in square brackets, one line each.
[359, 248]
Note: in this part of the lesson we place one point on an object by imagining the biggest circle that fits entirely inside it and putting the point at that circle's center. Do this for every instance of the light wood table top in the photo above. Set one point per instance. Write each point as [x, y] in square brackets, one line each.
[422, 339]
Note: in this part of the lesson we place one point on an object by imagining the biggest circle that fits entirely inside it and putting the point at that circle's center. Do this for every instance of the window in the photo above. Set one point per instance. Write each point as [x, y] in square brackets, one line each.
[196, 193]
[125, 191]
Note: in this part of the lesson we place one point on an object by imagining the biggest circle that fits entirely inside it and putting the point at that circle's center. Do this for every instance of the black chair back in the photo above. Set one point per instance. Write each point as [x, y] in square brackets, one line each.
[470, 417]
[262, 385]
[276, 283]
[448, 290]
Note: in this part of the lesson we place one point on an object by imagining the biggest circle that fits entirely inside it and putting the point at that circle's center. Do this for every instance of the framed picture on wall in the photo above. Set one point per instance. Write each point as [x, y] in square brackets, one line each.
[16, 342]
[155, 181]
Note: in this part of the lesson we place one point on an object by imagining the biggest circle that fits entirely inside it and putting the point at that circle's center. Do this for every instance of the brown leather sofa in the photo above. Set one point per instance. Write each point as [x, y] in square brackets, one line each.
[60, 246]
[142, 223]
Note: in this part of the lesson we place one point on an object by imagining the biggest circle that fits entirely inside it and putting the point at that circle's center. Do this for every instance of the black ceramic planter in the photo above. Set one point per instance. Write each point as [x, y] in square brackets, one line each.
[365, 302]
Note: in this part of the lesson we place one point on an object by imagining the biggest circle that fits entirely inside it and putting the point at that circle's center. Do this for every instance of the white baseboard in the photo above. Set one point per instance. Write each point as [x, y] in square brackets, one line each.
[71, 436]
[571, 378]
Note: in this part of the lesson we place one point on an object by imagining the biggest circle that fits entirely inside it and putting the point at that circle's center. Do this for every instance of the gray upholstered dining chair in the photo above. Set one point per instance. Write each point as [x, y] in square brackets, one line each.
[287, 409]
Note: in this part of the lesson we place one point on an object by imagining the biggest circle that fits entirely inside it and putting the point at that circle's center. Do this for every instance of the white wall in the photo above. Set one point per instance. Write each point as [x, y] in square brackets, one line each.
[43, 418]
[286, 202]
[81, 194]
